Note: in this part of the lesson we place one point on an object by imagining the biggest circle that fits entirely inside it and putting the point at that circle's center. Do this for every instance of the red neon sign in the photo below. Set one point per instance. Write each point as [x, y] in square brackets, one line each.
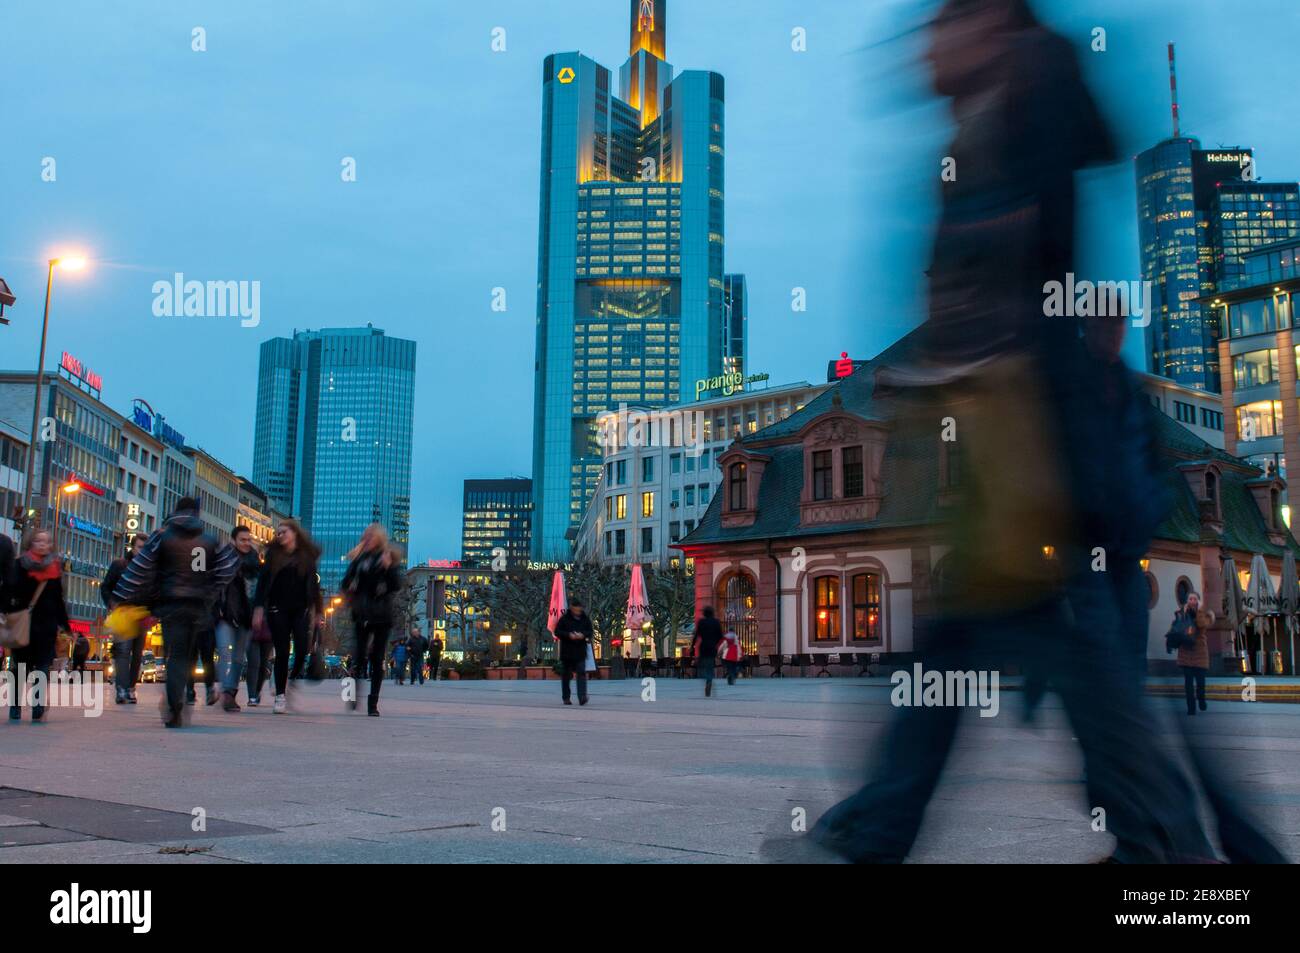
[74, 367]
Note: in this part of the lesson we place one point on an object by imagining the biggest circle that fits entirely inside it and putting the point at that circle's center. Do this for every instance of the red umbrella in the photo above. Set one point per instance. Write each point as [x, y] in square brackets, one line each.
[638, 605]
[559, 602]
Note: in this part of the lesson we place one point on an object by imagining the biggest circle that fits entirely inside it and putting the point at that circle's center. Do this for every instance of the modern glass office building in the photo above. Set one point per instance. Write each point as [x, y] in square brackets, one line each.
[1176, 185]
[333, 435]
[1246, 216]
[735, 303]
[630, 297]
[1199, 212]
[1260, 356]
[497, 514]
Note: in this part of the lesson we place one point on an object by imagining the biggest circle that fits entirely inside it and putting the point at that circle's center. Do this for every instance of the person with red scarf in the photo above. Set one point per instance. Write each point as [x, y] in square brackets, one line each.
[37, 582]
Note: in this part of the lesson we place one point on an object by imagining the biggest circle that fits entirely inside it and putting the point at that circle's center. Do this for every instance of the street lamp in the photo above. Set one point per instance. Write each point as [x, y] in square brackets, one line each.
[68, 489]
[71, 263]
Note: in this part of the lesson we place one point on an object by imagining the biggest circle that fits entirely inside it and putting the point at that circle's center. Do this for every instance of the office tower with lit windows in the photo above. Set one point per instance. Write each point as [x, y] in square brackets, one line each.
[630, 300]
[497, 516]
[735, 323]
[1177, 182]
[332, 443]
[1246, 216]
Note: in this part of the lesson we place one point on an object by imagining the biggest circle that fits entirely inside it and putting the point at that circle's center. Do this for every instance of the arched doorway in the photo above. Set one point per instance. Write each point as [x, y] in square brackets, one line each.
[738, 609]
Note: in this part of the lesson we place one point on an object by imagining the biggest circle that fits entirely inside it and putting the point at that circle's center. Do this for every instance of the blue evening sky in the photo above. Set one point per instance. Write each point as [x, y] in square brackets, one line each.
[224, 165]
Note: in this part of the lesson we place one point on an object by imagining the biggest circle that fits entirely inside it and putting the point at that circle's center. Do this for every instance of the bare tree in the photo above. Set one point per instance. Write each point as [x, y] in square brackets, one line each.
[672, 603]
[604, 590]
[518, 604]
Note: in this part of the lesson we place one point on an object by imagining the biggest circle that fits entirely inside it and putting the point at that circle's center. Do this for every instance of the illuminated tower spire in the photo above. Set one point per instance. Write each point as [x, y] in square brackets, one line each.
[649, 19]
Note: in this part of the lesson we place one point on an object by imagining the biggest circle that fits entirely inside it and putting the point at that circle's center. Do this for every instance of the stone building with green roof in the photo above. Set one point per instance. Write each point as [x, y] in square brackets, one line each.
[825, 534]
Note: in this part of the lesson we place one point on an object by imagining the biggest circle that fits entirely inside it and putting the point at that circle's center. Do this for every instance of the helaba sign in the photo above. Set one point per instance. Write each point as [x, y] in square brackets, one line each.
[1236, 158]
[82, 373]
[727, 383]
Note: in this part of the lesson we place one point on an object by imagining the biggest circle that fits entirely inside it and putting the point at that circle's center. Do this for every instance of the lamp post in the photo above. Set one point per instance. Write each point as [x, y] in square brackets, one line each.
[68, 489]
[71, 264]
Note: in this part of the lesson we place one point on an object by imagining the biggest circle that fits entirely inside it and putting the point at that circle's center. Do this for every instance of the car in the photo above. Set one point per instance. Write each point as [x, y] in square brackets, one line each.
[151, 670]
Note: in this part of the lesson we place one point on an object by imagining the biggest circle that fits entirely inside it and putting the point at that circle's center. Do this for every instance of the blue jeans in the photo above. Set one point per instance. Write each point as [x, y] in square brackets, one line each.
[706, 665]
[232, 647]
[127, 657]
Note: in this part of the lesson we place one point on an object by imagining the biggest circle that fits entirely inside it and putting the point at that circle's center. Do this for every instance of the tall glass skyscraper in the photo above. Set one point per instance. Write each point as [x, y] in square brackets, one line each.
[1176, 183]
[333, 437]
[630, 279]
[1199, 212]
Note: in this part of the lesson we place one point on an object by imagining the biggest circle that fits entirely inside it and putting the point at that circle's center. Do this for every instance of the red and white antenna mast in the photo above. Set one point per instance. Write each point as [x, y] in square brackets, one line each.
[1173, 88]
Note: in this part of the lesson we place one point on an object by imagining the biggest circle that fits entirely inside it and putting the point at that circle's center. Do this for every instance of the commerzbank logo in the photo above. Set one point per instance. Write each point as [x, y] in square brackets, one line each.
[566, 75]
[646, 17]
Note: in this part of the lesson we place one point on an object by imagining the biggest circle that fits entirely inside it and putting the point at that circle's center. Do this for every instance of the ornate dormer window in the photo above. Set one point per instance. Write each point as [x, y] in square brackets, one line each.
[742, 475]
[843, 454]
[1205, 479]
[1267, 492]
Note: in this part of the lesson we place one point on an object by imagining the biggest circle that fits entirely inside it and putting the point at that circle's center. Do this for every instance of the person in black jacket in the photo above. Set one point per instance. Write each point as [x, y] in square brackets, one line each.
[574, 632]
[708, 633]
[288, 601]
[372, 580]
[7, 557]
[128, 654]
[233, 621]
[36, 581]
[179, 572]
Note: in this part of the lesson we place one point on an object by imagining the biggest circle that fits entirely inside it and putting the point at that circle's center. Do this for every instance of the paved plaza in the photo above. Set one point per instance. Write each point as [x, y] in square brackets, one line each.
[680, 779]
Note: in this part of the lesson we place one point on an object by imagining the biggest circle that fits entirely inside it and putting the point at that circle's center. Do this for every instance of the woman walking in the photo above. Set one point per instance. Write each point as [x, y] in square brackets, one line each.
[372, 580]
[37, 582]
[1193, 655]
[288, 601]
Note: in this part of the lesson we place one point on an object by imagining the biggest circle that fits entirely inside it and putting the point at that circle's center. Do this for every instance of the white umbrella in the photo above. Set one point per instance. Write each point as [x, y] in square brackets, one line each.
[1234, 610]
[1260, 602]
[1289, 599]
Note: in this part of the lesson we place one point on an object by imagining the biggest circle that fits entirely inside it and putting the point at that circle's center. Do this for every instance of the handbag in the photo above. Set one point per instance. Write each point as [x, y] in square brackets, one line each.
[591, 659]
[1177, 638]
[16, 627]
[126, 622]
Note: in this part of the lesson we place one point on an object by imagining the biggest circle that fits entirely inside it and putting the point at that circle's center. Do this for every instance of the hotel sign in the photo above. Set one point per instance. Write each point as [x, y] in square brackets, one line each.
[134, 519]
[727, 383]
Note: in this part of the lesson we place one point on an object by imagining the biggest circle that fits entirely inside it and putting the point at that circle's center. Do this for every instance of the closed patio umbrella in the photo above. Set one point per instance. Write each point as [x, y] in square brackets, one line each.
[559, 603]
[1234, 609]
[1260, 602]
[1288, 597]
[638, 606]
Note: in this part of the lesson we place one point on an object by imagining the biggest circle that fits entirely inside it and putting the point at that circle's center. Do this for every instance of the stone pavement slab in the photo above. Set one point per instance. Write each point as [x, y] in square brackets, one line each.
[499, 772]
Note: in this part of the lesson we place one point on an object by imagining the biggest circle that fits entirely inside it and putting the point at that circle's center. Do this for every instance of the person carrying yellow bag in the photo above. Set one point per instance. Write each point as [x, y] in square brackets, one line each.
[127, 623]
